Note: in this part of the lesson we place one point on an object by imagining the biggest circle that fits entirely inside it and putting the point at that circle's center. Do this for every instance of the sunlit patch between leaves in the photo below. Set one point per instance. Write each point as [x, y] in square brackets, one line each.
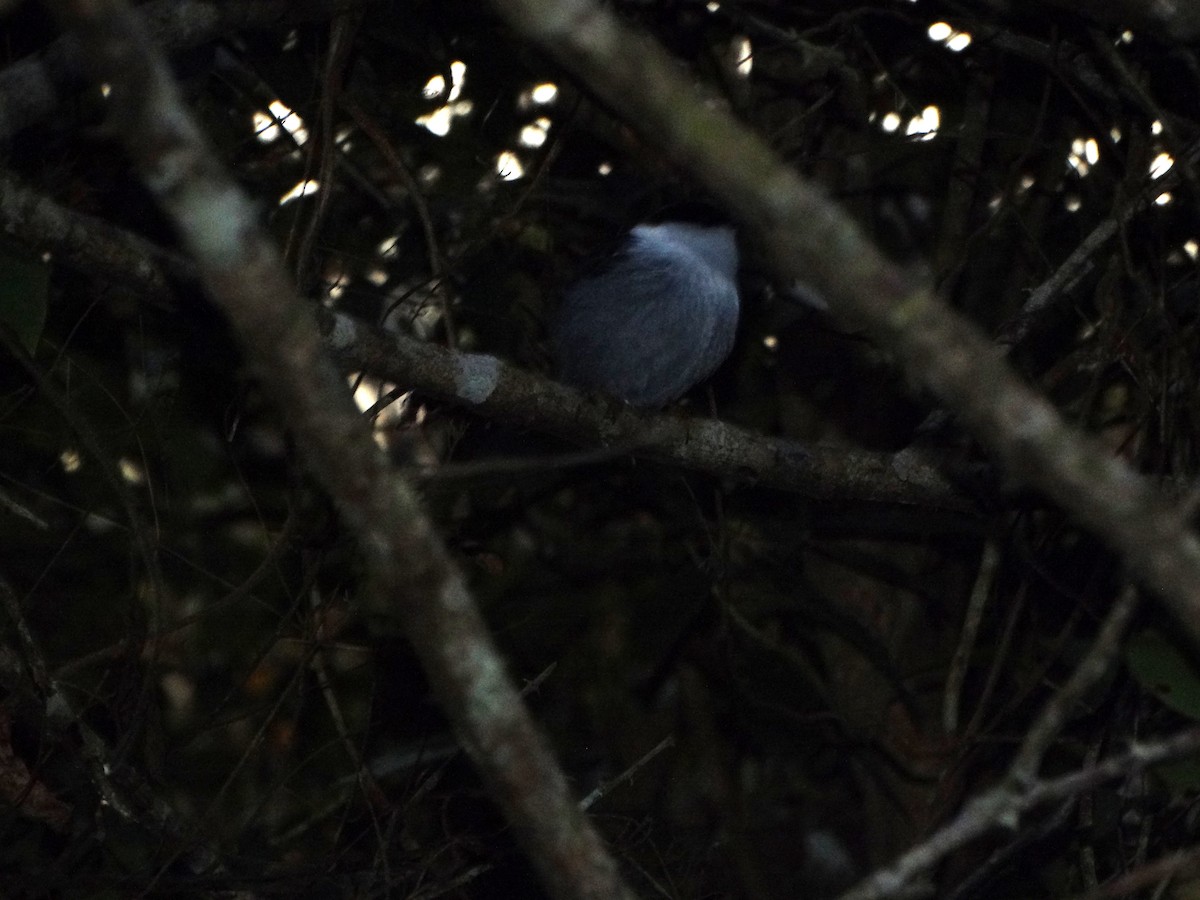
[743, 56]
[949, 36]
[1085, 153]
[387, 247]
[131, 472]
[370, 393]
[890, 122]
[925, 126]
[535, 133]
[70, 460]
[441, 119]
[269, 126]
[509, 166]
[301, 189]
[1161, 164]
[542, 94]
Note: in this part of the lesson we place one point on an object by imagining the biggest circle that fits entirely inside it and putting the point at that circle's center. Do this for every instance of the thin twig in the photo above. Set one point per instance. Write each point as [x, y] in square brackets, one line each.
[972, 622]
[596, 795]
[1094, 666]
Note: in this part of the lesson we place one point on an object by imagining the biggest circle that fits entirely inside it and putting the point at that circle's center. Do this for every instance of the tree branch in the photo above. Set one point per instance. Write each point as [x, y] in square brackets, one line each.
[412, 579]
[518, 397]
[1003, 805]
[810, 239]
[31, 89]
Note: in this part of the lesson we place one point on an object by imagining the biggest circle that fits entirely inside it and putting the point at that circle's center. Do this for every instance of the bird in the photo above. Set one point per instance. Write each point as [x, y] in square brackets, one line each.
[654, 322]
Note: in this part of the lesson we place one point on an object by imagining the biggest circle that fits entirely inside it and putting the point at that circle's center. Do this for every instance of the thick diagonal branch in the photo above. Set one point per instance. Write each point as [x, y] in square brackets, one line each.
[413, 580]
[811, 239]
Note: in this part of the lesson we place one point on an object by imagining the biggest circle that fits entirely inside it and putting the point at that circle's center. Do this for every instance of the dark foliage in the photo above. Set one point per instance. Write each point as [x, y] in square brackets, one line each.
[797, 652]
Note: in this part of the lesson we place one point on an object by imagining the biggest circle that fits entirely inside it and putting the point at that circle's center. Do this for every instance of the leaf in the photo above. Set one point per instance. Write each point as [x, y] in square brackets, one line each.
[1162, 668]
[1181, 776]
[24, 280]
